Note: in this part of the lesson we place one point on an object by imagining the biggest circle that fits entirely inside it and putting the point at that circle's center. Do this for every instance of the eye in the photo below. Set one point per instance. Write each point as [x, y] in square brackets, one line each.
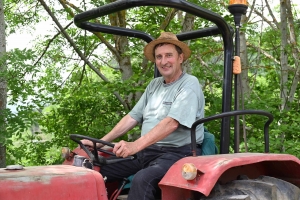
[169, 55]
[158, 57]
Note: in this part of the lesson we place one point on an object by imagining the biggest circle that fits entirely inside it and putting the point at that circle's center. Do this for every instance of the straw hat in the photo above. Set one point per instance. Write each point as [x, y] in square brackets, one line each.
[166, 37]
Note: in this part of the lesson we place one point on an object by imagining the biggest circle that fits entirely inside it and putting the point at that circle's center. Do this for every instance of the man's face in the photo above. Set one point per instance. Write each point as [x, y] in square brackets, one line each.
[168, 62]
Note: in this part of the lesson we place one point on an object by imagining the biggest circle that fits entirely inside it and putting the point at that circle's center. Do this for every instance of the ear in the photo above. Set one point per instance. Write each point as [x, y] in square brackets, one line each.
[180, 58]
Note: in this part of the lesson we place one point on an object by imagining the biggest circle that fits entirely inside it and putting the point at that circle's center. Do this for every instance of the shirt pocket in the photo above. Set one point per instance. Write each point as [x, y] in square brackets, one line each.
[164, 110]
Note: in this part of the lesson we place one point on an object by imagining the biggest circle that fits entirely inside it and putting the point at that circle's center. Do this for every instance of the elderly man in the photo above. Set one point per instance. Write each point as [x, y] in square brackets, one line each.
[166, 110]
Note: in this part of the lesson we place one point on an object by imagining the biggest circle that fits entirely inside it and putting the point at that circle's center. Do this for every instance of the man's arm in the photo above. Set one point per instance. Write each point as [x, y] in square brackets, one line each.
[159, 132]
[124, 125]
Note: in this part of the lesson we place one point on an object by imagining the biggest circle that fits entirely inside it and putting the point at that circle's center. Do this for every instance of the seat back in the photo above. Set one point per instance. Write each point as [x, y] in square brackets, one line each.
[208, 146]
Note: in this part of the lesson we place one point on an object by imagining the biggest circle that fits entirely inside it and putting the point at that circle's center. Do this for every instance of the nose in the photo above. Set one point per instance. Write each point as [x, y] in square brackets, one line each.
[164, 60]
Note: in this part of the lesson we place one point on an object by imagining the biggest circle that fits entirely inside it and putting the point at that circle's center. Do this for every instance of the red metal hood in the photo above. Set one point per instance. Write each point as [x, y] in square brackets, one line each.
[52, 182]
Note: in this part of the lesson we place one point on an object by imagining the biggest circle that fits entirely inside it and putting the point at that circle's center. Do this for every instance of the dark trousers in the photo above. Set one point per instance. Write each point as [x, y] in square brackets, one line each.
[149, 168]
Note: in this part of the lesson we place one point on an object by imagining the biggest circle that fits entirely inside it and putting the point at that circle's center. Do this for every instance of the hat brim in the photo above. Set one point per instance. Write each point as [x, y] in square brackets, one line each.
[149, 48]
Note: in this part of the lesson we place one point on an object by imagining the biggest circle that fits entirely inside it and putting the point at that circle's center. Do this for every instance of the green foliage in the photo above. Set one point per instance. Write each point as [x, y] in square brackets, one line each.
[51, 86]
[88, 111]
[283, 132]
[30, 150]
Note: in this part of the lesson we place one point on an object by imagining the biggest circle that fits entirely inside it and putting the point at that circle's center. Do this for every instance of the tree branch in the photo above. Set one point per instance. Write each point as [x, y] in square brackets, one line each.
[289, 68]
[167, 19]
[48, 45]
[80, 54]
[264, 18]
[272, 15]
[64, 3]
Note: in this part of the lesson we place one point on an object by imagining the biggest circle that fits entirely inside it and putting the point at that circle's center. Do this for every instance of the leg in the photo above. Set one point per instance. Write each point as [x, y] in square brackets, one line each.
[145, 182]
[118, 171]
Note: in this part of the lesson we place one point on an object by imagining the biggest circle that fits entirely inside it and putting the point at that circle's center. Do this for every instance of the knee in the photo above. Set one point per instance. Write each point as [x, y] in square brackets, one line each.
[144, 186]
[139, 179]
[142, 179]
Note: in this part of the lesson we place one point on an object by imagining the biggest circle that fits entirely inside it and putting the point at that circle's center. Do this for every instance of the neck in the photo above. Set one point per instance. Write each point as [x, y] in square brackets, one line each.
[174, 78]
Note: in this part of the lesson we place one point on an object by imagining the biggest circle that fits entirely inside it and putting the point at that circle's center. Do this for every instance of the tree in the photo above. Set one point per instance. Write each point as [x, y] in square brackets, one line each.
[3, 86]
[279, 67]
[74, 81]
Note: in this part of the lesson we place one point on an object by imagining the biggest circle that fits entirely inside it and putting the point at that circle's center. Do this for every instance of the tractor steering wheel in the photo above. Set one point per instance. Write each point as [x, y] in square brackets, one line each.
[94, 156]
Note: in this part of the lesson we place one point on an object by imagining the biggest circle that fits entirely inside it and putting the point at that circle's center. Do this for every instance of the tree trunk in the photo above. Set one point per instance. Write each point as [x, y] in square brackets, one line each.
[187, 25]
[295, 51]
[243, 89]
[283, 62]
[244, 84]
[3, 86]
[283, 55]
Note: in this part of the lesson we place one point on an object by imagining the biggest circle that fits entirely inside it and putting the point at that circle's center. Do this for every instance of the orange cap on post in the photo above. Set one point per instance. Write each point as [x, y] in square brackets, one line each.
[231, 2]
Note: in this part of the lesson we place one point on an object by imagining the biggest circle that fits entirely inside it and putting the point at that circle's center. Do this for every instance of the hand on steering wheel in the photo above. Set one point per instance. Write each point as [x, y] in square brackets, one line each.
[93, 152]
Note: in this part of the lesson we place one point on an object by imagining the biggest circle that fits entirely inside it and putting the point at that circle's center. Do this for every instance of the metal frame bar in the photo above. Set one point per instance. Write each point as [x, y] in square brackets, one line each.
[81, 20]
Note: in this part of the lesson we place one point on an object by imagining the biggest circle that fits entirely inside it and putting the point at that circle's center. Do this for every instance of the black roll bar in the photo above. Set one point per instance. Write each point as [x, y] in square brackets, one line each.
[233, 113]
[81, 20]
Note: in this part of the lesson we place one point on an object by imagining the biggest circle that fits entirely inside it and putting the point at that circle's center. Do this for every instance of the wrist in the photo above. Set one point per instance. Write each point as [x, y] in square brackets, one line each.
[139, 144]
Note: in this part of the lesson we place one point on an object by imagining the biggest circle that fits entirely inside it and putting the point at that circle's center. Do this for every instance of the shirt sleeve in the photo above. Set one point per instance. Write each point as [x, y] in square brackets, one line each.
[185, 107]
[138, 110]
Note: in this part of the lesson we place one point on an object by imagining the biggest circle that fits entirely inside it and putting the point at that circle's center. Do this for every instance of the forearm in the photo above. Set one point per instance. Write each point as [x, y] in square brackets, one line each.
[124, 125]
[159, 132]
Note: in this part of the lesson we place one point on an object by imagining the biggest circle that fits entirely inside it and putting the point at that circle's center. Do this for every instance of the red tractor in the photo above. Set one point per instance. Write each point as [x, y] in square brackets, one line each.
[247, 176]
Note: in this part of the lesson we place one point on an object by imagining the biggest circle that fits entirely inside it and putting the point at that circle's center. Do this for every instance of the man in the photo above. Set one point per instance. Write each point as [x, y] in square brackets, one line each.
[166, 110]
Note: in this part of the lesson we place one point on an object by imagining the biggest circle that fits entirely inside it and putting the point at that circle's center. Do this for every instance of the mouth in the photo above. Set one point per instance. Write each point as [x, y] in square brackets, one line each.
[166, 67]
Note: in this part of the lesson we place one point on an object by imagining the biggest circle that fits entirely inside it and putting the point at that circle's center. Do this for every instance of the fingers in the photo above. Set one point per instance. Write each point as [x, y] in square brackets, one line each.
[120, 149]
[87, 143]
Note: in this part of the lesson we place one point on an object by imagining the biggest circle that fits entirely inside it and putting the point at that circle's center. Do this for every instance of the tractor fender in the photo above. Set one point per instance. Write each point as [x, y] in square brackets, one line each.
[227, 167]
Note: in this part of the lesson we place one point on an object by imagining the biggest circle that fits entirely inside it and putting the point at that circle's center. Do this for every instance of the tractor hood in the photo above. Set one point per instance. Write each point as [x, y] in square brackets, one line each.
[51, 182]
